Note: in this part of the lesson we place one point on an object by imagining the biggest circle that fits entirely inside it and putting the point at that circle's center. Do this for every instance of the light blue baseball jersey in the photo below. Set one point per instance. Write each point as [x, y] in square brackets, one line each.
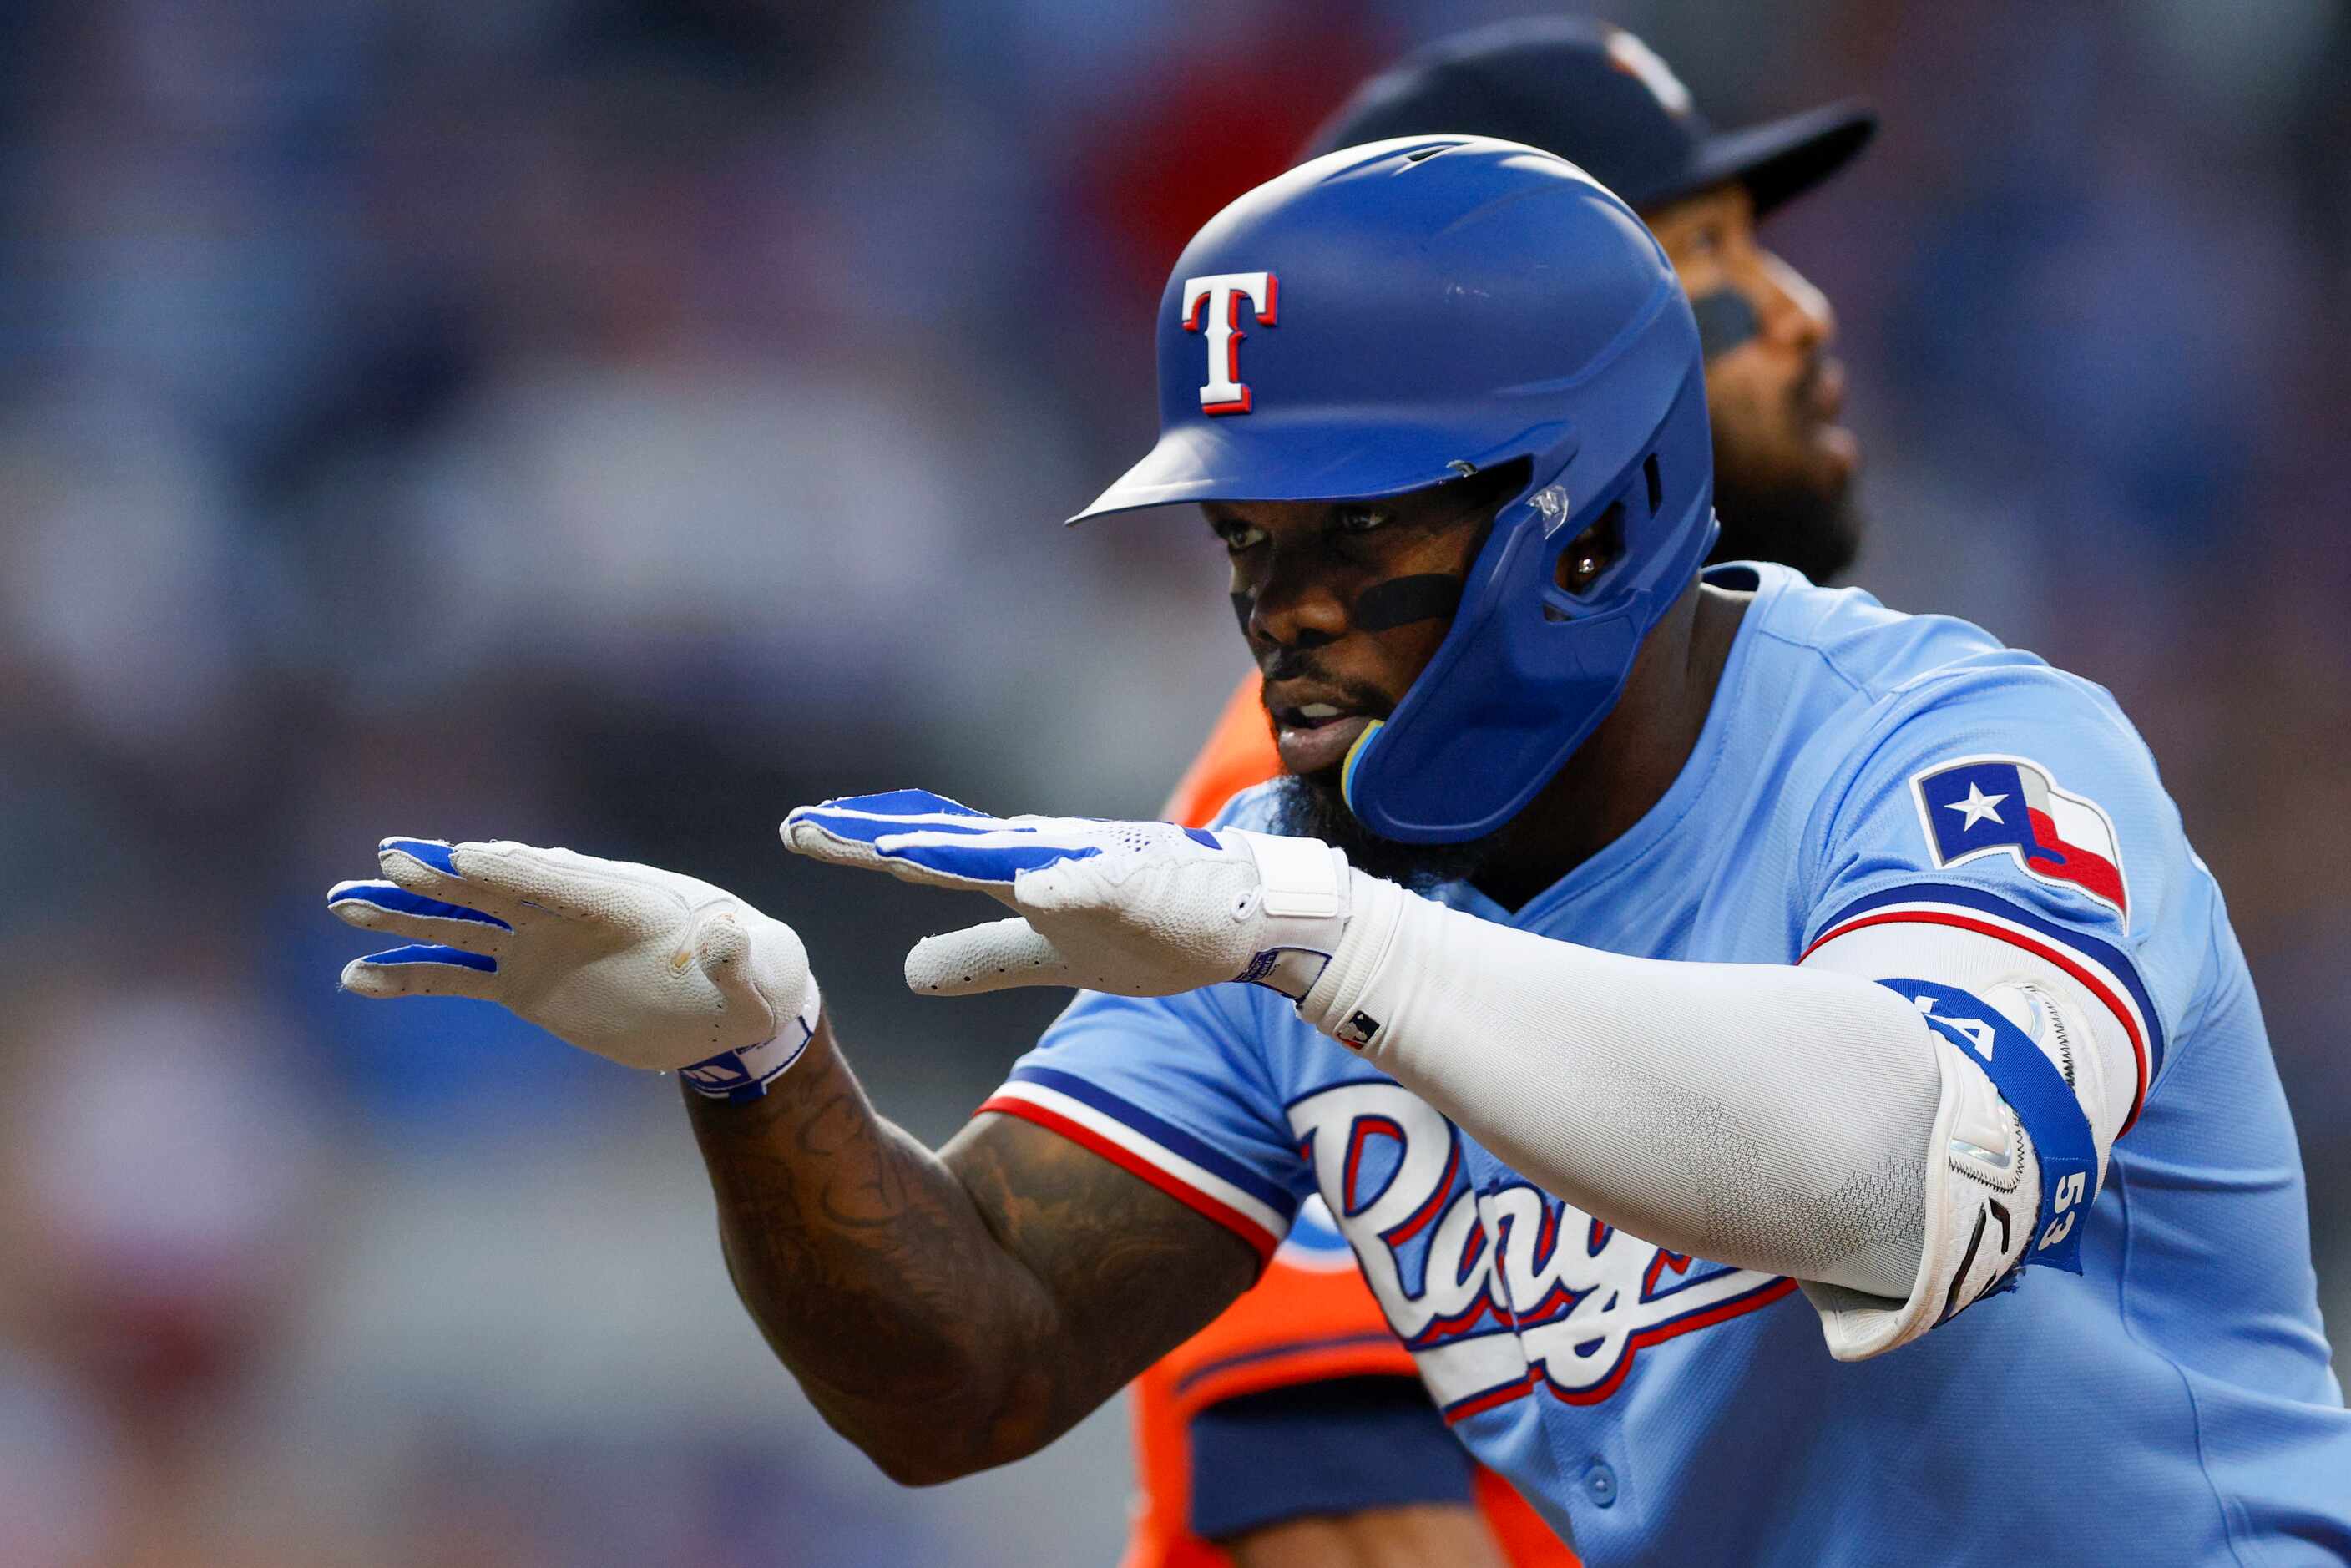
[2171, 1403]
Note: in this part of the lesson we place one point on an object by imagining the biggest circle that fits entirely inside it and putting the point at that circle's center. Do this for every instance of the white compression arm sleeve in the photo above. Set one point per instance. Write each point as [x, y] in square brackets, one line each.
[1763, 1115]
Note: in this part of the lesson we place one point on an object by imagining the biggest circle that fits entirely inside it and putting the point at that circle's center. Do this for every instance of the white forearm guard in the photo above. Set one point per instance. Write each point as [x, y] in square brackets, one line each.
[1792, 1120]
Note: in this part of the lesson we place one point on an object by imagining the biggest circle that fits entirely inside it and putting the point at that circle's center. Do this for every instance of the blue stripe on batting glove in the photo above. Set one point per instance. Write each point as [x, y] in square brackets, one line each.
[397, 900]
[900, 803]
[430, 851]
[993, 864]
[433, 953]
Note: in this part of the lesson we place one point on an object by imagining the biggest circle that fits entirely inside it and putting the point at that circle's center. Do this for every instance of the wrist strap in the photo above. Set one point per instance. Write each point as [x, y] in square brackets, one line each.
[1302, 897]
[740, 1077]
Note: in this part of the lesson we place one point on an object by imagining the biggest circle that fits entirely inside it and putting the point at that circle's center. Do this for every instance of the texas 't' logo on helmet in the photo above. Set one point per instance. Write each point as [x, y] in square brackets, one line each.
[1212, 305]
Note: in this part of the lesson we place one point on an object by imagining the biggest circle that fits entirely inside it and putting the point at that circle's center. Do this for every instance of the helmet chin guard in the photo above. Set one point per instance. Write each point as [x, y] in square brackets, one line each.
[1393, 316]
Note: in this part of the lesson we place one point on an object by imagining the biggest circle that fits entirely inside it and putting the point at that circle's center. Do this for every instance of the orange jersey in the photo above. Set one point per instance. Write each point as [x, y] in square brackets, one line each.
[1309, 1319]
[1239, 753]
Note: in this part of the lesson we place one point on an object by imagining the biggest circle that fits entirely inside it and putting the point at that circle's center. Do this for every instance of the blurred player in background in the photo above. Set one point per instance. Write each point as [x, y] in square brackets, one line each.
[1293, 1431]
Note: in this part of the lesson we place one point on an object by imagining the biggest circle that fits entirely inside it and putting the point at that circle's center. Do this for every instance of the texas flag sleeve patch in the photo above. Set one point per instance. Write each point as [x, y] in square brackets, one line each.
[2006, 805]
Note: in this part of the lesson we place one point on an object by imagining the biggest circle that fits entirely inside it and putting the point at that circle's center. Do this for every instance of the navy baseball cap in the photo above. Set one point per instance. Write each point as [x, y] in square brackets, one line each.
[1600, 98]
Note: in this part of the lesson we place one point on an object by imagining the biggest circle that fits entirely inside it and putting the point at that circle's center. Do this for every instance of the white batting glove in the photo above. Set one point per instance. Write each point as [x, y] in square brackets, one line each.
[647, 968]
[1141, 909]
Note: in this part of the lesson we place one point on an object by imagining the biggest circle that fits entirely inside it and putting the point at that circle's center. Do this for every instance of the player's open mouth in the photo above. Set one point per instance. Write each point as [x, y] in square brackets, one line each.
[1312, 737]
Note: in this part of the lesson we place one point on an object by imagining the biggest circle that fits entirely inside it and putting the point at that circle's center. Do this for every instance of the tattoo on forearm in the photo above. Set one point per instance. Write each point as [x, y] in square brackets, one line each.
[952, 1311]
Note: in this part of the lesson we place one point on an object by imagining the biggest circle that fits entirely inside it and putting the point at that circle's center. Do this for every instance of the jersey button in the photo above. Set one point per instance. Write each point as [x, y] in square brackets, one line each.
[1600, 1482]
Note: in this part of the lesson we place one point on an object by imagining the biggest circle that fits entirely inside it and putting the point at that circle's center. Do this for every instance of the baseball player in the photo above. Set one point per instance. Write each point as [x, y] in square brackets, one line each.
[1776, 1060]
[1252, 1434]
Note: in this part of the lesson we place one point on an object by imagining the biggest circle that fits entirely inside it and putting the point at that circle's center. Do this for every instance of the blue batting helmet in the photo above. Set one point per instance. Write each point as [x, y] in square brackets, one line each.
[1415, 310]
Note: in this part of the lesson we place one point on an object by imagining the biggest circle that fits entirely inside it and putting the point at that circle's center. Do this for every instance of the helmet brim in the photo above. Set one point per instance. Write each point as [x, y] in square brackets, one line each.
[1195, 463]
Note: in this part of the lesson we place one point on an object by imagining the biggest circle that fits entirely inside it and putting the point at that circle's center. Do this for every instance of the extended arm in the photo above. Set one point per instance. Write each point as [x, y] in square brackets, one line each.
[1902, 1150]
[946, 1312]
[1773, 1117]
[1901, 1123]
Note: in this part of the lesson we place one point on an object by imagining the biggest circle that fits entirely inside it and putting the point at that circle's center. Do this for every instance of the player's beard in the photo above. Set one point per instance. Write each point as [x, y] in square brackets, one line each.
[1312, 807]
[1787, 520]
[1775, 505]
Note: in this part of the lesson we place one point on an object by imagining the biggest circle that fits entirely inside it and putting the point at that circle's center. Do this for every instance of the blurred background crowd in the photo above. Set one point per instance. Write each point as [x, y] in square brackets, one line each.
[613, 422]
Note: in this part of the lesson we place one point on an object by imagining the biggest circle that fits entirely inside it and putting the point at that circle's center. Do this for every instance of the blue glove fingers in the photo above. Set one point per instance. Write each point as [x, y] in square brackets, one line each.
[431, 953]
[394, 899]
[897, 803]
[418, 862]
[433, 853]
[424, 969]
[860, 821]
[428, 868]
